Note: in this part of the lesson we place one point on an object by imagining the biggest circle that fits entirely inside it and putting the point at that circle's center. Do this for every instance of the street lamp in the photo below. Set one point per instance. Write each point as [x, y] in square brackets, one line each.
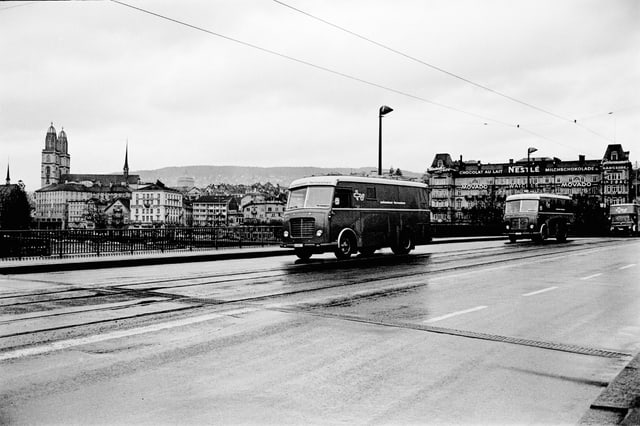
[384, 110]
[529, 151]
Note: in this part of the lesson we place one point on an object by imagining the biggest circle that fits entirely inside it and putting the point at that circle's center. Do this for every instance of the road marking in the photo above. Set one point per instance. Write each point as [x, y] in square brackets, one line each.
[453, 314]
[65, 344]
[544, 290]
[590, 276]
[628, 266]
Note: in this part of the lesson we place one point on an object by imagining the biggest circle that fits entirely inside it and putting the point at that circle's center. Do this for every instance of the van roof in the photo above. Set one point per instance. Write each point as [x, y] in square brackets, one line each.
[334, 180]
[536, 196]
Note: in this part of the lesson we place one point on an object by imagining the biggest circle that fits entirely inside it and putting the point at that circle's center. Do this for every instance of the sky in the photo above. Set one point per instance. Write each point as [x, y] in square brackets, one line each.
[300, 82]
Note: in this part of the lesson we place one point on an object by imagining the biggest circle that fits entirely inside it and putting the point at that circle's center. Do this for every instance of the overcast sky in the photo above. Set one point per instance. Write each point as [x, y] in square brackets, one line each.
[110, 74]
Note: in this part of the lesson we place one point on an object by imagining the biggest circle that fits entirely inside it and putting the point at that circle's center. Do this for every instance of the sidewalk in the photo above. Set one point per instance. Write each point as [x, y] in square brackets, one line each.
[70, 263]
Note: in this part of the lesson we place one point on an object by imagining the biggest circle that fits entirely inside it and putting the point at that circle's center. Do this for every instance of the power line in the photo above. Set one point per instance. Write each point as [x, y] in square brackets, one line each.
[17, 5]
[332, 71]
[310, 64]
[420, 61]
[449, 73]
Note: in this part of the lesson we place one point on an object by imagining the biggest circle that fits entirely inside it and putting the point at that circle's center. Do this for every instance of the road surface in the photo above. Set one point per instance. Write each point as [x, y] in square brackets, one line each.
[483, 332]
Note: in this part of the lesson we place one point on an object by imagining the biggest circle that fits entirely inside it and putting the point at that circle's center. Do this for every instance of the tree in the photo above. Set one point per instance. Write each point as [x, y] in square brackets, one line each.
[15, 210]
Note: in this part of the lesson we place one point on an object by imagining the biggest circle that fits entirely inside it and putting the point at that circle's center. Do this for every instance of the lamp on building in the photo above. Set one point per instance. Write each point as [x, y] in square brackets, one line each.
[384, 110]
[529, 151]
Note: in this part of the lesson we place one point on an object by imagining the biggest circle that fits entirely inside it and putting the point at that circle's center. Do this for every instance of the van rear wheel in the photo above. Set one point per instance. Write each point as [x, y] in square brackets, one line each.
[405, 244]
[561, 234]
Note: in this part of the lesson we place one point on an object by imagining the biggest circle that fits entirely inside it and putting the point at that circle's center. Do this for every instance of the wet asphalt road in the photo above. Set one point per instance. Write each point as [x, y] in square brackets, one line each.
[486, 332]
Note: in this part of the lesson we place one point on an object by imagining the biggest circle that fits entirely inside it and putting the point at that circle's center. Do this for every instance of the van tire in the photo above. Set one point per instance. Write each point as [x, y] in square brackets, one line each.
[346, 246]
[405, 244]
[561, 233]
[367, 251]
[303, 254]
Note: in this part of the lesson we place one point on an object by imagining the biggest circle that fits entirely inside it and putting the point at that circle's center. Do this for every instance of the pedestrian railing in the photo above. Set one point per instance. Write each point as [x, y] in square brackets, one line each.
[76, 242]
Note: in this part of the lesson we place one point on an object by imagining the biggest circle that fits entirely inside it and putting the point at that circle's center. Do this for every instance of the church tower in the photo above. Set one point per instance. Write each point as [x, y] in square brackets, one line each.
[49, 172]
[63, 154]
[56, 160]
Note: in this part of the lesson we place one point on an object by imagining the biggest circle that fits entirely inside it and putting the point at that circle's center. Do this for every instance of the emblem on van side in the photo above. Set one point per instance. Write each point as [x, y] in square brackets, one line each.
[358, 196]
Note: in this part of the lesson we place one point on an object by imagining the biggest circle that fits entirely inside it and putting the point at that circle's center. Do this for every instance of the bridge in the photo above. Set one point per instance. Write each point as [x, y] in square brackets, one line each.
[459, 331]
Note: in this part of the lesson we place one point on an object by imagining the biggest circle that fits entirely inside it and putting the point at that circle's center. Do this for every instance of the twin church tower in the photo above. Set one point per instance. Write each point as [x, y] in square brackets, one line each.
[56, 163]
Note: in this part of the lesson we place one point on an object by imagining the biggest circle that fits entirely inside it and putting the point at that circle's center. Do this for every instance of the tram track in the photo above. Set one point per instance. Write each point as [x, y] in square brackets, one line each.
[255, 276]
[196, 303]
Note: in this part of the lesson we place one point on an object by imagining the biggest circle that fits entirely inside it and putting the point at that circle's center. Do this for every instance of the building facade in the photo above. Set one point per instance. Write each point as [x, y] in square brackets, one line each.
[156, 206]
[66, 205]
[473, 192]
[214, 210]
[268, 212]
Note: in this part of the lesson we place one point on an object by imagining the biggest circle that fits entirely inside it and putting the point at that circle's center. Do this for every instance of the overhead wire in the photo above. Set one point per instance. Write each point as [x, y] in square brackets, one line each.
[420, 61]
[329, 70]
[310, 64]
[439, 69]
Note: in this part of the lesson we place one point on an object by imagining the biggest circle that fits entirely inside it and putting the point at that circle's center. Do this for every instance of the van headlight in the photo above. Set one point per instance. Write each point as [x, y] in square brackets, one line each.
[286, 234]
[319, 233]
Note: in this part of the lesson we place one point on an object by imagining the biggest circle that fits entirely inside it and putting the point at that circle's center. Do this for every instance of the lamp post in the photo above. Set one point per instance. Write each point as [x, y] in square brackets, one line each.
[529, 151]
[384, 110]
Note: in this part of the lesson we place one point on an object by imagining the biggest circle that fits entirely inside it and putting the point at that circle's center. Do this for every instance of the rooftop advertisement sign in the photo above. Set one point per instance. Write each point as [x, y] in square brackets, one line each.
[536, 169]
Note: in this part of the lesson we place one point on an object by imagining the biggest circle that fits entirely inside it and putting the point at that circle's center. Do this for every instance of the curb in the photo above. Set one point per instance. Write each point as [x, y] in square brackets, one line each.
[619, 403]
[164, 259]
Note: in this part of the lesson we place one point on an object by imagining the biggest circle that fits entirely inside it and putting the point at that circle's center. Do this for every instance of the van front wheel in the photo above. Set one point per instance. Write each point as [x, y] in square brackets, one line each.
[346, 246]
[303, 254]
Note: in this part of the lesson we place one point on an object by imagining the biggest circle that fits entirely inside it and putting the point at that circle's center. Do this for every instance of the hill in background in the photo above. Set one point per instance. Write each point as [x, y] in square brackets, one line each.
[235, 175]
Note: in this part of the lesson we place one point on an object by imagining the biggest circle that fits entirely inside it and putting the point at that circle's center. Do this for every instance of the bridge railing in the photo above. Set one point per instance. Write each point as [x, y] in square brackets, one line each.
[81, 242]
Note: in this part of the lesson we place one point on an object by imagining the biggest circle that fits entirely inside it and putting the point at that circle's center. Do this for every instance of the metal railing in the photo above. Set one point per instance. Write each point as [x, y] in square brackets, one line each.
[66, 243]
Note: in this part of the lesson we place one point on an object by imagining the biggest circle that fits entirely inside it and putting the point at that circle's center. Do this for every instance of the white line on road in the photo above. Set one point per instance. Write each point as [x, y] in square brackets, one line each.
[65, 344]
[544, 290]
[628, 266]
[453, 314]
[590, 276]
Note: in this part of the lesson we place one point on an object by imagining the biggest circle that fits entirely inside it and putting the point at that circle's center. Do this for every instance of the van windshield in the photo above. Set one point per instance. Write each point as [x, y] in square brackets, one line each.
[621, 218]
[521, 206]
[310, 197]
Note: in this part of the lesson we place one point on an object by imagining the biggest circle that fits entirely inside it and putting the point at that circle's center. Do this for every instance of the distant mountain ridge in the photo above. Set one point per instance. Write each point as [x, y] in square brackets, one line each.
[283, 176]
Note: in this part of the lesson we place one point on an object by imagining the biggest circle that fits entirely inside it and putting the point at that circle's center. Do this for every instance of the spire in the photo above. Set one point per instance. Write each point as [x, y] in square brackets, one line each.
[62, 142]
[125, 169]
[51, 140]
[8, 177]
